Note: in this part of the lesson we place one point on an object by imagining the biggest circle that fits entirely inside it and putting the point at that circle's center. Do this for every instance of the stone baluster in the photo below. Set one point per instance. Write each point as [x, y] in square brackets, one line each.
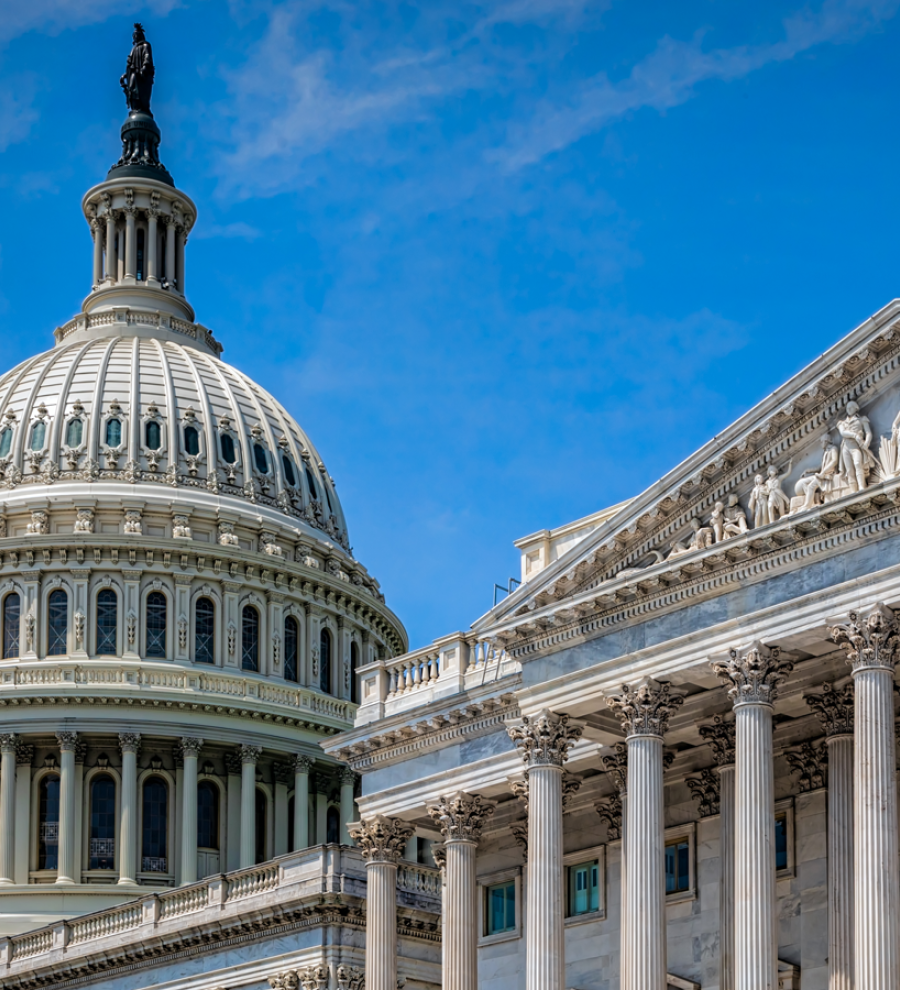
[347, 778]
[302, 767]
[871, 644]
[67, 807]
[461, 818]
[381, 841]
[129, 743]
[190, 754]
[644, 712]
[7, 808]
[835, 710]
[544, 741]
[721, 737]
[249, 756]
[754, 675]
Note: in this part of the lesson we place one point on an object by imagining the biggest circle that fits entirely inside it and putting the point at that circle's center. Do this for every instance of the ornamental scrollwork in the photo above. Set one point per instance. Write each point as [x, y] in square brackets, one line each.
[461, 816]
[870, 642]
[834, 708]
[381, 839]
[610, 812]
[645, 710]
[810, 762]
[705, 791]
[721, 738]
[755, 674]
[544, 739]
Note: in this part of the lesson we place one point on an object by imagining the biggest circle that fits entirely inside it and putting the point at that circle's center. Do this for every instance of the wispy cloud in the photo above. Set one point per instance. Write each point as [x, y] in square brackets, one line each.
[17, 110]
[239, 228]
[53, 16]
[669, 75]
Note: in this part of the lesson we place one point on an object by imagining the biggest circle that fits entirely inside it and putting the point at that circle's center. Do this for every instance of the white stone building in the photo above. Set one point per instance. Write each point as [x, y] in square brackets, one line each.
[667, 759]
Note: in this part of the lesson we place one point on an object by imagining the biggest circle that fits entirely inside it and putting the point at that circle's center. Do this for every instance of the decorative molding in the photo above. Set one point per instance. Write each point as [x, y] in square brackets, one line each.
[755, 674]
[721, 738]
[705, 790]
[544, 739]
[870, 642]
[834, 708]
[616, 765]
[461, 816]
[810, 762]
[646, 709]
[610, 812]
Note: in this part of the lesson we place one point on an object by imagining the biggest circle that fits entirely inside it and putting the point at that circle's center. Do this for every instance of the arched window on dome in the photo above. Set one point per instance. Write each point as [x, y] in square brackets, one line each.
[6, 437]
[207, 815]
[38, 436]
[229, 453]
[12, 611]
[155, 826]
[191, 440]
[289, 474]
[153, 436]
[113, 432]
[57, 624]
[157, 607]
[204, 631]
[250, 639]
[107, 623]
[325, 661]
[262, 808]
[291, 648]
[74, 433]
[102, 840]
[261, 458]
[48, 822]
[354, 663]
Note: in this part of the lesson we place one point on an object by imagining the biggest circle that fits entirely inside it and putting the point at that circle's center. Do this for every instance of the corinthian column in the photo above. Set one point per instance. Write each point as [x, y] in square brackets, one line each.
[302, 766]
[348, 783]
[720, 736]
[754, 675]
[190, 753]
[67, 742]
[7, 808]
[544, 741]
[871, 646]
[130, 743]
[381, 841]
[644, 713]
[249, 756]
[461, 818]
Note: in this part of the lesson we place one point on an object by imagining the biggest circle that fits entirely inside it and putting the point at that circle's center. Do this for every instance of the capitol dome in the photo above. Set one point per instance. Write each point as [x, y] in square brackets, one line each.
[182, 620]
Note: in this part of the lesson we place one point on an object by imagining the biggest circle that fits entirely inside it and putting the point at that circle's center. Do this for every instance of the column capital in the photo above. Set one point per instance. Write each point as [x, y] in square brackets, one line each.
[721, 738]
[381, 839]
[250, 754]
[755, 674]
[67, 740]
[303, 764]
[834, 708]
[129, 742]
[705, 790]
[616, 765]
[870, 642]
[191, 746]
[8, 742]
[24, 754]
[610, 812]
[461, 816]
[646, 709]
[544, 739]
[347, 776]
[810, 761]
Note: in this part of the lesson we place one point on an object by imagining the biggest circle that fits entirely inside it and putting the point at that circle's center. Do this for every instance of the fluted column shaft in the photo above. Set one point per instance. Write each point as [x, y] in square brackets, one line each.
[112, 260]
[726, 887]
[152, 241]
[7, 808]
[190, 752]
[645, 898]
[97, 231]
[875, 826]
[130, 245]
[249, 756]
[302, 766]
[66, 867]
[623, 898]
[840, 863]
[170, 251]
[129, 743]
[348, 782]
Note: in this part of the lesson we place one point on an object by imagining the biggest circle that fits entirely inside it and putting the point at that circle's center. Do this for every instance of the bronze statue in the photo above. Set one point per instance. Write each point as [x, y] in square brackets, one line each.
[137, 82]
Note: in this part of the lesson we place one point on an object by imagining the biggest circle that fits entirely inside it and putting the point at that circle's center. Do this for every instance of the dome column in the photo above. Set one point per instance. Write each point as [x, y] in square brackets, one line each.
[7, 807]
[129, 743]
[348, 783]
[181, 240]
[249, 756]
[66, 841]
[190, 752]
[97, 234]
[302, 767]
[112, 261]
[152, 242]
[170, 251]
[130, 243]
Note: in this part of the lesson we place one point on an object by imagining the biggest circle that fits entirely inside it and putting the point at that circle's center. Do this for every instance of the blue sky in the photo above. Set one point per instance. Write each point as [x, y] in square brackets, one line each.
[506, 262]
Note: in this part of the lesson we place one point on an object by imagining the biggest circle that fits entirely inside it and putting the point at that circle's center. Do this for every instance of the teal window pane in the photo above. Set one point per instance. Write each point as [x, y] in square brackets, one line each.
[74, 433]
[584, 890]
[113, 432]
[677, 867]
[154, 436]
[501, 908]
[38, 434]
[5, 441]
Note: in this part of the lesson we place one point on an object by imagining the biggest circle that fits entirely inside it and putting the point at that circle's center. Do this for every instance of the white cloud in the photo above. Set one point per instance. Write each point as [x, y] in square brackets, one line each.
[17, 111]
[668, 76]
[237, 229]
[53, 16]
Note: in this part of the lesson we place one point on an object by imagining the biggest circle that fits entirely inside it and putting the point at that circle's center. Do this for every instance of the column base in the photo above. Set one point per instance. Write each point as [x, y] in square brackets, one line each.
[126, 882]
[65, 882]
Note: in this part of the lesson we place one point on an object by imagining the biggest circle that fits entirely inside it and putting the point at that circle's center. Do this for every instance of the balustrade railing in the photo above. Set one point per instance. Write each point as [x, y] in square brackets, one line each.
[183, 901]
[31, 944]
[109, 923]
[252, 881]
[419, 879]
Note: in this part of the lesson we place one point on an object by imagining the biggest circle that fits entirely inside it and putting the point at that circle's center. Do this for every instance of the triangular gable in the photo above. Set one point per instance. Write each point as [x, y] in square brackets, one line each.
[784, 429]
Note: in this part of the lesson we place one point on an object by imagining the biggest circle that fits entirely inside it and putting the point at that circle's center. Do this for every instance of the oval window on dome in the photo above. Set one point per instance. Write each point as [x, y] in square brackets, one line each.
[229, 455]
[192, 440]
[5, 441]
[74, 433]
[154, 436]
[259, 455]
[38, 435]
[113, 432]
[289, 474]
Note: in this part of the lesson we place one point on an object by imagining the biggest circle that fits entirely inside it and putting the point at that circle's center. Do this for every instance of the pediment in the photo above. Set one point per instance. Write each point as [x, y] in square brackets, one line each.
[797, 465]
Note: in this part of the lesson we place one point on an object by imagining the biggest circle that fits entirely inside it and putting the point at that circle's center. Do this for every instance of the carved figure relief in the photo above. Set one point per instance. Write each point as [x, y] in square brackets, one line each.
[84, 521]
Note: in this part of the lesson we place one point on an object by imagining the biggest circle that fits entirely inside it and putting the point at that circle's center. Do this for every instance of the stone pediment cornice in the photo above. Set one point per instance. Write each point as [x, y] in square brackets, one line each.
[858, 368]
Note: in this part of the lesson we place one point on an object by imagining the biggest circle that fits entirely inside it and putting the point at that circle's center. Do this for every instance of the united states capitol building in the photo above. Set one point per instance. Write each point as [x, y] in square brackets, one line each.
[666, 761]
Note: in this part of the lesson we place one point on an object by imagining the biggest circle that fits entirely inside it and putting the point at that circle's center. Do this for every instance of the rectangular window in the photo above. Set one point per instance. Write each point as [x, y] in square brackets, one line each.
[501, 908]
[781, 841]
[678, 866]
[584, 888]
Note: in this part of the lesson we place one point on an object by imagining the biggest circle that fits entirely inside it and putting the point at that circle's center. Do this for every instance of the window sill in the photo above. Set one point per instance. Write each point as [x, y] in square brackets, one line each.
[584, 919]
[681, 896]
[499, 937]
